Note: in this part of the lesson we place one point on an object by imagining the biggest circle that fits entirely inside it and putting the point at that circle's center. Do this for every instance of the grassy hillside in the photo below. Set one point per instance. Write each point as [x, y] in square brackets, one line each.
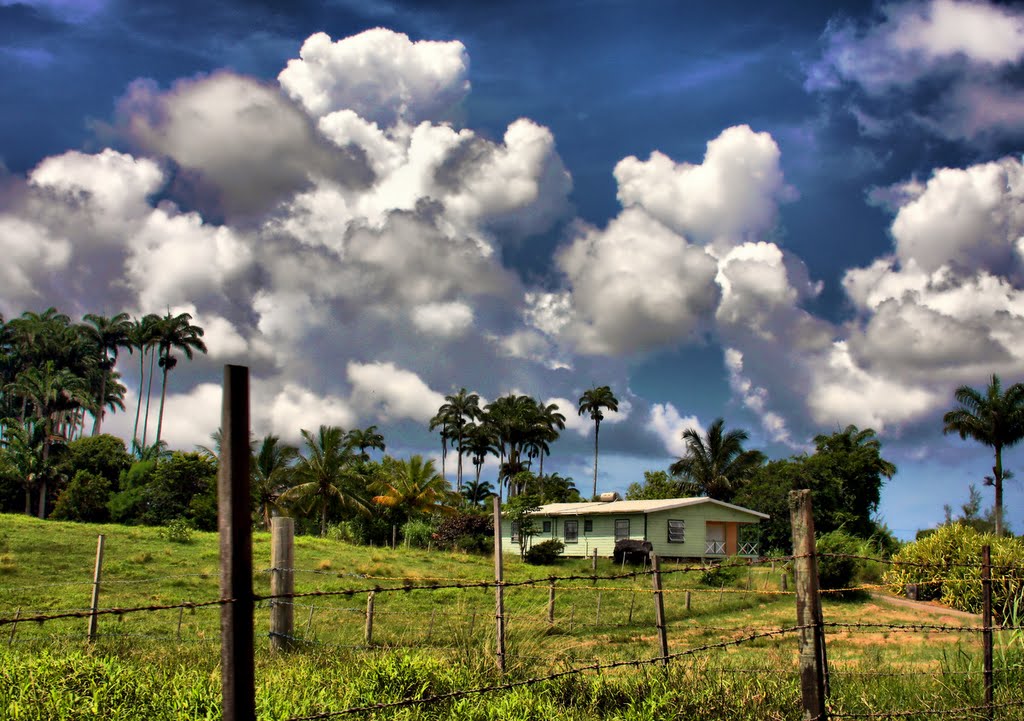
[146, 666]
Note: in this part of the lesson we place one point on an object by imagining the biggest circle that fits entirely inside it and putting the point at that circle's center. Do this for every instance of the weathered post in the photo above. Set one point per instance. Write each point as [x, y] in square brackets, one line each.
[687, 601]
[234, 520]
[97, 572]
[499, 587]
[181, 617]
[368, 630]
[14, 627]
[551, 603]
[593, 562]
[282, 582]
[632, 602]
[813, 666]
[597, 616]
[986, 621]
[659, 608]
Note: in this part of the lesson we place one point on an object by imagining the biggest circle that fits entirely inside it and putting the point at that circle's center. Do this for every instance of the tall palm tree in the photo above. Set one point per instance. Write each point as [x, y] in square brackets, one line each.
[23, 451]
[459, 409]
[717, 463]
[363, 438]
[413, 488]
[325, 473]
[107, 335]
[175, 332]
[480, 441]
[441, 420]
[996, 419]
[272, 472]
[512, 419]
[550, 422]
[591, 402]
[142, 337]
[477, 492]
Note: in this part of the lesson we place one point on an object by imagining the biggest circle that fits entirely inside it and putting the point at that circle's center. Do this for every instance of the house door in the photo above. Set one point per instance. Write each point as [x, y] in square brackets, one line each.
[714, 538]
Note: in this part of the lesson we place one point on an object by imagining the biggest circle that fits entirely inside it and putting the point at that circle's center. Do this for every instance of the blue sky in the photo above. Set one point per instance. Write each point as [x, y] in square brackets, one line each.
[793, 215]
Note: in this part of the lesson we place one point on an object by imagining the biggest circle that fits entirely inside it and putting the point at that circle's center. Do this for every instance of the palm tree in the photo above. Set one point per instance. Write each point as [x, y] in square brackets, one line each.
[441, 420]
[512, 419]
[142, 336]
[413, 488]
[108, 335]
[175, 332]
[551, 422]
[996, 419]
[477, 492]
[592, 401]
[23, 451]
[272, 471]
[717, 463]
[457, 410]
[325, 473]
[363, 438]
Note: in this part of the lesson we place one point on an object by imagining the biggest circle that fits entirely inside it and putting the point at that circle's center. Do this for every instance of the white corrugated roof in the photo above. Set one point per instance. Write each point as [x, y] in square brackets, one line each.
[663, 504]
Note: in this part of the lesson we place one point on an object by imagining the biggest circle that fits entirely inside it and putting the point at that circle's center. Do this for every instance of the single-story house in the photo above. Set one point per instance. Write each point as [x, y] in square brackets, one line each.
[676, 527]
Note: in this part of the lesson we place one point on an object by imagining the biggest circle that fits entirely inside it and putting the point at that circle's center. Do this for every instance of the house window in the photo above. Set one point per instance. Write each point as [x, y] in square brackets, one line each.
[547, 526]
[676, 531]
[515, 532]
[572, 531]
[621, 528]
[588, 525]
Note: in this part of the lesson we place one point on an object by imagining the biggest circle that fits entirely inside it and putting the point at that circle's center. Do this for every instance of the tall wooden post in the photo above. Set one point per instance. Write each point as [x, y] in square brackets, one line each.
[97, 572]
[499, 587]
[593, 562]
[368, 630]
[282, 582]
[551, 604]
[235, 521]
[986, 621]
[813, 666]
[659, 607]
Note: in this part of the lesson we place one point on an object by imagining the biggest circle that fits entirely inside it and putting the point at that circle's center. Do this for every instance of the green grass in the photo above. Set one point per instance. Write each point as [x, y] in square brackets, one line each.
[430, 642]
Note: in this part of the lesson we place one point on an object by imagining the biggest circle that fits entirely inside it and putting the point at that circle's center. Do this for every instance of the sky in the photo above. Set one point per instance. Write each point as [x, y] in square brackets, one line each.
[795, 216]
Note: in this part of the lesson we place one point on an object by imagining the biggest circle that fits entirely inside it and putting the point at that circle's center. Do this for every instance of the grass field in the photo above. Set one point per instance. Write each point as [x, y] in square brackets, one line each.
[165, 664]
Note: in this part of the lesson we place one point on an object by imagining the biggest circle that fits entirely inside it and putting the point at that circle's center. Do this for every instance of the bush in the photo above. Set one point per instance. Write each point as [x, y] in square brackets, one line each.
[835, 568]
[417, 533]
[177, 531]
[544, 553]
[465, 531]
[85, 499]
[946, 566]
[724, 573]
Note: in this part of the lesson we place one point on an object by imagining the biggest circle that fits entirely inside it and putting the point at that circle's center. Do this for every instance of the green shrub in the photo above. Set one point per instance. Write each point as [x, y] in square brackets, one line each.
[85, 499]
[544, 553]
[725, 573]
[177, 531]
[946, 566]
[465, 531]
[835, 568]
[417, 533]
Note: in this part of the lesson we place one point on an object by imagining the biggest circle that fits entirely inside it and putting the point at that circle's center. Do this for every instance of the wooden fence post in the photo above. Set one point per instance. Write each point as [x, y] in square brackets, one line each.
[632, 601]
[593, 562]
[499, 587]
[813, 664]
[687, 601]
[234, 520]
[97, 572]
[181, 617]
[659, 607]
[368, 630]
[282, 582]
[986, 622]
[551, 604]
[14, 626]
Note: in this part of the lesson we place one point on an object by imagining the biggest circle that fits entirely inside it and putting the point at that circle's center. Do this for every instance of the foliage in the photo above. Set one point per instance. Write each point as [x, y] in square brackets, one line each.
[836, 568]
[417, 533]
[327, 474]
[464, 531]
[717, 462]
[102, 455]
[946, 565]
[518, 512]
[544, 553]
[411, 488]
[155, 493]
[845, 475]
[995, 419]
[177, 531]
[725, 573]
[84, 499]
[658, 485]
[591, 403]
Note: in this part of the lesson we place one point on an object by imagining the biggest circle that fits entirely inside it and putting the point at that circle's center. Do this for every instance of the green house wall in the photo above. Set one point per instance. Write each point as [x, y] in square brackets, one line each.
[652, 527]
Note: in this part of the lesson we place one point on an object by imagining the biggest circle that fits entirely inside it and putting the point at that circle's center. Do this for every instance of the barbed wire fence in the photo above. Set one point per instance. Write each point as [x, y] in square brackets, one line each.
[552, 607]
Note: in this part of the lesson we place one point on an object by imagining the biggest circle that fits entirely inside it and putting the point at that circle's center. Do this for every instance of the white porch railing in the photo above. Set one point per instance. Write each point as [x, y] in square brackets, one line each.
[748, 549]
[715, 547]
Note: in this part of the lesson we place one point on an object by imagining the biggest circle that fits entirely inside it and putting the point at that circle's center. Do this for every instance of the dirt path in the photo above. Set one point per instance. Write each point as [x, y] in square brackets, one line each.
[924, 606]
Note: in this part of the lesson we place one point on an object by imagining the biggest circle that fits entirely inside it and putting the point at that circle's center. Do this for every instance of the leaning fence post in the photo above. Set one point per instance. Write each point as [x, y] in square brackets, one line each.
[597, 616]
[659, 607]
[94, 619]
[234, 521]
[986, 621]
[181, 616]
[499, 587]
[282, 582]
[813, 666]
[368, 630]
[14, 626]
[551, 603]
